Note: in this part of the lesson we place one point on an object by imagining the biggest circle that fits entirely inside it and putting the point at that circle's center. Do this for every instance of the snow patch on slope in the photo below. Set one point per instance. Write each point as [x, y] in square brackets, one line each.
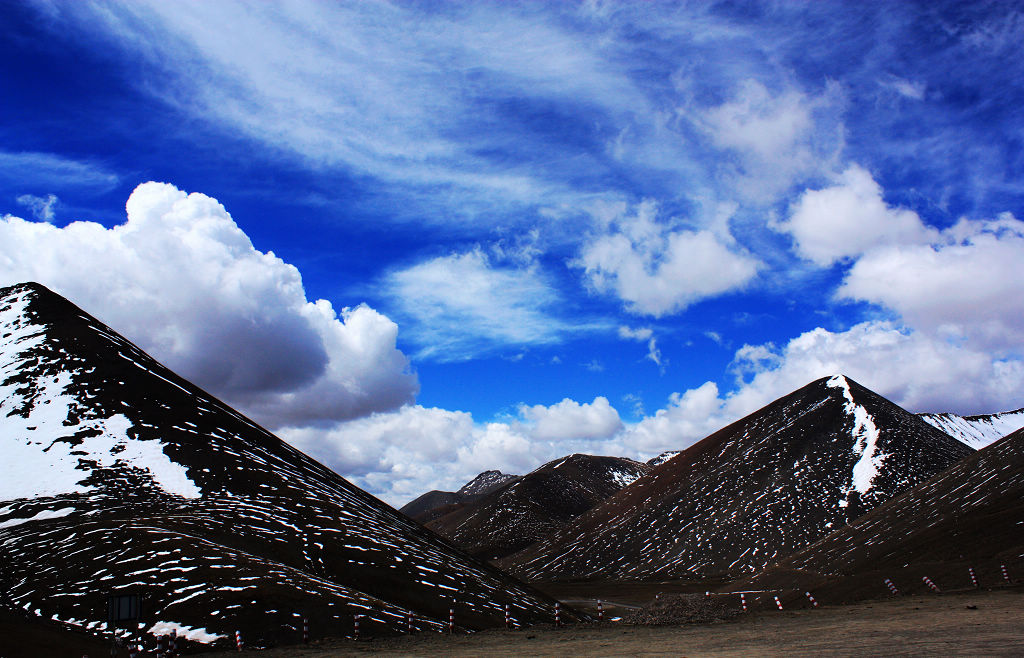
[865, 442]
[35, 463]
[624, 478]
[45, 514]
[977, 431]
[188, 632]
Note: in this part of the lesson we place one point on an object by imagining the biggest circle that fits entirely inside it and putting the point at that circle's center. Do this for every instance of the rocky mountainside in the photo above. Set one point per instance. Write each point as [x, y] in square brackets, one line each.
[663, 457]
[435, 504]
[978, 431]
[119, 477]
[533, 506]
[753, 492]
[970, 515]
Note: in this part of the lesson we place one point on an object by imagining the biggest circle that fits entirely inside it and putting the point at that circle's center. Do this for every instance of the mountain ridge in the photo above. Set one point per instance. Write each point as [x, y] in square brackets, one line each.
[752, 492]
[527, 509]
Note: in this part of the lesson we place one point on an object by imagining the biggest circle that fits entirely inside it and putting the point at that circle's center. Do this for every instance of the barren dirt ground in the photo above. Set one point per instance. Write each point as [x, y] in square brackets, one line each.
[980, 623]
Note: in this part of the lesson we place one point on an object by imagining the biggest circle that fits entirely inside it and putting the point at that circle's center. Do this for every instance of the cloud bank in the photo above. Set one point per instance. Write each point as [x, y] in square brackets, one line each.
[183, 281]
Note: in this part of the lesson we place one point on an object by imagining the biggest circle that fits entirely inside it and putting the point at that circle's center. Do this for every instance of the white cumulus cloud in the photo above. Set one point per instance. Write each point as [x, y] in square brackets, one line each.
[968, 284]
[401, 454]
[658, 269]
[183, 281]
[850, 218]
[569, 419]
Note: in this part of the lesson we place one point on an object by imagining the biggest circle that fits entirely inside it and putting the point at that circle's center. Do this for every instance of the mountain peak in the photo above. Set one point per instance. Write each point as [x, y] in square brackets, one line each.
[106, 456]
[485, 482]
[752, 492]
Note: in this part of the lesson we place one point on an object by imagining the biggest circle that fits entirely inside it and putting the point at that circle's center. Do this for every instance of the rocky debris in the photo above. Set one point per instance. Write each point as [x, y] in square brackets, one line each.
[673, 609]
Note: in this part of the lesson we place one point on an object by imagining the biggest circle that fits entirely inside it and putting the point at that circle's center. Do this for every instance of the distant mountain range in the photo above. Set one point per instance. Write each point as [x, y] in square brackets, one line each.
[752, 493]
[523, 510]
[435, 504]
[119, 477]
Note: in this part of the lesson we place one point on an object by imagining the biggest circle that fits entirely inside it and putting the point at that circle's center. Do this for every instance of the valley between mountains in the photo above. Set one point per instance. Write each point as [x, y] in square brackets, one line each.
[119, 478]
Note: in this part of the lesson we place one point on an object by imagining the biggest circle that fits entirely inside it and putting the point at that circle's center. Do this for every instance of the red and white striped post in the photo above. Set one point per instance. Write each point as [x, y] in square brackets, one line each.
[1006, 575]
[451, 621]
[355, 625]
[778, 603]
[600, 611]
[558, 614]
[238, 640]
[743, 601]
[974, 579]
[408, 623]
[305, 630]
[707, 595]
[813, 602]
[508, 617]
[892, 588]
[929, 583]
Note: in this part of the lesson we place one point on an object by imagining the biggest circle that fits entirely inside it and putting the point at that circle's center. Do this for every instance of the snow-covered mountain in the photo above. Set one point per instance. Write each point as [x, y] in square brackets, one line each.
[531, 507]
[118, 476]
[978, 431]
[753, 492]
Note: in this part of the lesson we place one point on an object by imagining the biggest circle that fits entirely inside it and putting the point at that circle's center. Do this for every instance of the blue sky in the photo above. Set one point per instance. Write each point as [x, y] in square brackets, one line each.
[419, 240]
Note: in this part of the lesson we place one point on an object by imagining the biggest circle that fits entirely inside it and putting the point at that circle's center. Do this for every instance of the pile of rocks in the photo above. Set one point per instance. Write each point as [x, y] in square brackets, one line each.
[682, 609]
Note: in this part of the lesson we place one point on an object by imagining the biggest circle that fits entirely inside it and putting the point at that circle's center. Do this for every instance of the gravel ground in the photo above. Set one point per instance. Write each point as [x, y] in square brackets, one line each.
[978, 623]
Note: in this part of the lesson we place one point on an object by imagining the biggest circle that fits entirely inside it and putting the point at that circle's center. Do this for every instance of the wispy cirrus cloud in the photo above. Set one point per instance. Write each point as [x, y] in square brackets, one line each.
[44, 172]
[463, 306]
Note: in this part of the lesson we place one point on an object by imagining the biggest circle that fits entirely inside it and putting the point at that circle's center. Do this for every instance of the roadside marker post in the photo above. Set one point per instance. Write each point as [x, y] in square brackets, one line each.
[743, 601]
[929, 583]
[451, 621]
[355, 624]
[508, 618]
[1006, 575]
[408, 623]
[600, 611]
[238, 640]
[892, 588]
[813, 602]
[305, 630]
[974, 579]
[778, 603]
[558, 614]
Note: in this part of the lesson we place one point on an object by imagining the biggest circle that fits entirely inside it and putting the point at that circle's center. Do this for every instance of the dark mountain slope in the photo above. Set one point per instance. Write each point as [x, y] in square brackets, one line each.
[970, 514]
[435, 504]
[753, 492]
[116, 475]
[532, 507]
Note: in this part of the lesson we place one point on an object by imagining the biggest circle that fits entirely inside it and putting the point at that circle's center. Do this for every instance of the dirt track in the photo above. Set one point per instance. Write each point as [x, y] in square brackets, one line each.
[945, 625]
